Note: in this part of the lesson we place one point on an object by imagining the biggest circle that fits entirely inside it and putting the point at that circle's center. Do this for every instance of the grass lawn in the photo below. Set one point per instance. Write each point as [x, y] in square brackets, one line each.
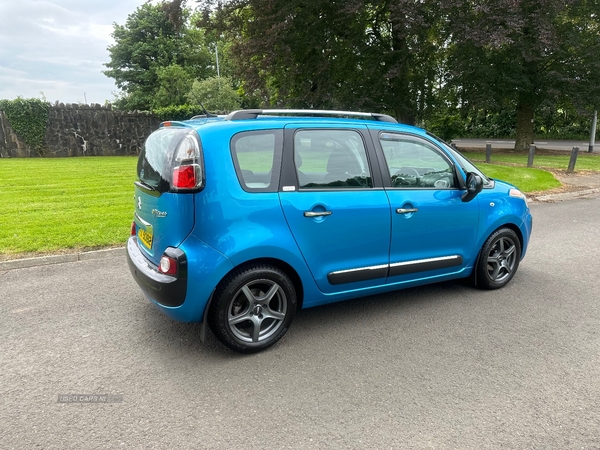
[543, 159]
[47, 205]
[527, 180]
[68, 204]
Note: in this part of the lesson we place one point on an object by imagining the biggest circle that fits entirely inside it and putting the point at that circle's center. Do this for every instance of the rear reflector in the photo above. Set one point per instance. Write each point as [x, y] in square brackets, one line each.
[168, 265]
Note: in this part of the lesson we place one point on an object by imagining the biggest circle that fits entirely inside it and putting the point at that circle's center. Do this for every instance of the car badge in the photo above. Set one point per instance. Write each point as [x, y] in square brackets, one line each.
[157, 213]
[139, 202]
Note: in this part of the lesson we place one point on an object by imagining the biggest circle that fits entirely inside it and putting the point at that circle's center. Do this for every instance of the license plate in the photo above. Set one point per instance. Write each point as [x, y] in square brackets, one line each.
[145, 237]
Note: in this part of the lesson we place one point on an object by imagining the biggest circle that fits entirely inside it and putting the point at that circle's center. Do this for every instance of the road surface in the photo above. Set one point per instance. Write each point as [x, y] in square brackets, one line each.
[541, 144]
[444, 366]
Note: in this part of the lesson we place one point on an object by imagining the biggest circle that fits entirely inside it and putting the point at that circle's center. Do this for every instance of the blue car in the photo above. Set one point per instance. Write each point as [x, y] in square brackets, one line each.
[242, 220]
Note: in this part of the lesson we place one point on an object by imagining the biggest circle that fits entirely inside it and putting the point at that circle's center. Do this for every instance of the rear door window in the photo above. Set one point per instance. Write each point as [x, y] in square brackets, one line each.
[331, 159]
[257, 159]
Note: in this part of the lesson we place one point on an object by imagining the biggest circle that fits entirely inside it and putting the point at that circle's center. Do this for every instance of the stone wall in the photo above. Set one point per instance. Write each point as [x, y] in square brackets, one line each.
[83, 130]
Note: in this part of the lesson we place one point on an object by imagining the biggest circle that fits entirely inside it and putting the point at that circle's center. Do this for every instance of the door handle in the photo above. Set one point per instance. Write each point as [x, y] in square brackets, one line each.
[316, 213]
[406, 210]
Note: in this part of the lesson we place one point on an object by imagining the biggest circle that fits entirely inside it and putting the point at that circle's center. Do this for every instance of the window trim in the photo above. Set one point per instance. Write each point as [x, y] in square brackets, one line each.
[368, 152]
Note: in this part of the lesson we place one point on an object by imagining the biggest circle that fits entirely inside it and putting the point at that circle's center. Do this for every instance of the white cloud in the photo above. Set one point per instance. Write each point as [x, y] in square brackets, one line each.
[59, 47]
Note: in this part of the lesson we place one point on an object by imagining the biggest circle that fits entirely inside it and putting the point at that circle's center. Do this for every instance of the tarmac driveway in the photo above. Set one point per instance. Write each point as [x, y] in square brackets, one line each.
[443, 366]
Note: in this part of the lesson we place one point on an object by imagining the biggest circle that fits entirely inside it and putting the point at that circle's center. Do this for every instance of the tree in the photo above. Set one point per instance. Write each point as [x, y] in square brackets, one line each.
[155, 40]
[351, 54]
[174, 83]
[525, 54]
[215, 94]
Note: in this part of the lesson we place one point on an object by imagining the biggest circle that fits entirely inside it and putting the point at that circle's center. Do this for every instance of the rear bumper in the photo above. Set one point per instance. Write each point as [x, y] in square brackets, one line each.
[163, 289]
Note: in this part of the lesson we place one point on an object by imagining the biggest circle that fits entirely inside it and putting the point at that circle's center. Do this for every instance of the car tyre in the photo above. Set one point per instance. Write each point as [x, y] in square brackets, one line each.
[253, 308]
[499, 259]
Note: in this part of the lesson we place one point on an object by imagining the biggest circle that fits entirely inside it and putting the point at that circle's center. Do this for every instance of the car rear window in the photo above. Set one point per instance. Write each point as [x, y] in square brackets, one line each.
[155, 162]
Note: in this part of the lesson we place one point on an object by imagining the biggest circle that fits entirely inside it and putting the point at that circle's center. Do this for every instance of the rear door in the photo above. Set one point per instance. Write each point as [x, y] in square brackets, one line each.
[338, 216]
[163, 218]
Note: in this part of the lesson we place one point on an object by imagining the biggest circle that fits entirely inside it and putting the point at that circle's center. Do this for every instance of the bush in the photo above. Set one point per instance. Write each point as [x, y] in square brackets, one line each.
[549, 123]
[214, 93]
[29, 118]
[446, 125]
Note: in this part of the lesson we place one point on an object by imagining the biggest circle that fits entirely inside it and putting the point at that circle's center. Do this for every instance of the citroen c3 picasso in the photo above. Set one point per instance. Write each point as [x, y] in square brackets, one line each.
[242, 220]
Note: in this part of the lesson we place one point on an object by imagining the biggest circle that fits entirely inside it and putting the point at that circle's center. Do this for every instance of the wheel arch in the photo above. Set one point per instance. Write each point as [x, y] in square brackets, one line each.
[517, 231]
[281, 265]
[511, 225]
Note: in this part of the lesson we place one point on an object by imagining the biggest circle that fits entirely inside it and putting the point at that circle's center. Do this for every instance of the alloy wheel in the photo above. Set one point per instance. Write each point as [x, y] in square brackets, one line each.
[257, 311]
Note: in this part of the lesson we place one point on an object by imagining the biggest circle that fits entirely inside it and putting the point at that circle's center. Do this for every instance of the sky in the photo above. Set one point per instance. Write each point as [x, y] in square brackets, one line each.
[58, 47]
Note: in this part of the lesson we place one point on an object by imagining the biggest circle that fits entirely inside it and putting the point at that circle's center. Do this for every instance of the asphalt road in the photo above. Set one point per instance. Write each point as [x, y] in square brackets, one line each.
[444, 366]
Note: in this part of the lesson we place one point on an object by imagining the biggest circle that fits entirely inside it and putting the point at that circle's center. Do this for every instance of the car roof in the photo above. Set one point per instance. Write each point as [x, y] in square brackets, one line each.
[263, 119]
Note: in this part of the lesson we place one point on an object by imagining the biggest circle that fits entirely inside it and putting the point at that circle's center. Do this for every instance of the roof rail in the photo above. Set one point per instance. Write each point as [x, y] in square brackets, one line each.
[254, 113]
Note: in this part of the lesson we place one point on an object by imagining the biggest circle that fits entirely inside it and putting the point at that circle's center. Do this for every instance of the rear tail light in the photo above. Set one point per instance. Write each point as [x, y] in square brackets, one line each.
[186, 177]
[133, 229]
[187, 164]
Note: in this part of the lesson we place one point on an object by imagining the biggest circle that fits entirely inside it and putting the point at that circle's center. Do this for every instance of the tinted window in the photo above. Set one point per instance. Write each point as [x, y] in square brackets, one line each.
[257, 159]
[331, 159]
[415, 164]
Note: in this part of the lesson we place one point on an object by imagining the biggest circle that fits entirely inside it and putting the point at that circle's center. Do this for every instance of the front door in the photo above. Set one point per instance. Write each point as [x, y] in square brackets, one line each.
[433, 230]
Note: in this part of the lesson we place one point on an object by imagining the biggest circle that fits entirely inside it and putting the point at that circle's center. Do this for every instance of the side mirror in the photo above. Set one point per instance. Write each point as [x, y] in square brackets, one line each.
[474, 187]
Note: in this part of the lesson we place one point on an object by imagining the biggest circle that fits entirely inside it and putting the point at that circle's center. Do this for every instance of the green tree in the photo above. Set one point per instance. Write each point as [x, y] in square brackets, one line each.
[153, 42]
[525, 55]
[174, 84]
[351, 54]
[215, 94]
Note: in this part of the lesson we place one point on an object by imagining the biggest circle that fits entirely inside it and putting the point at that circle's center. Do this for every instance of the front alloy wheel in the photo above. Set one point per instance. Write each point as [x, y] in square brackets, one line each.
[253, 308]
[499, 259]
